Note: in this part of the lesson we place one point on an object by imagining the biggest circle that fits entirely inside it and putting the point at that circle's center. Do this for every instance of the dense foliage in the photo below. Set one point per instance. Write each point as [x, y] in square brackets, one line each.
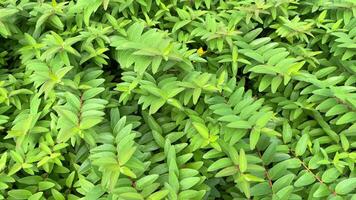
[178, 99]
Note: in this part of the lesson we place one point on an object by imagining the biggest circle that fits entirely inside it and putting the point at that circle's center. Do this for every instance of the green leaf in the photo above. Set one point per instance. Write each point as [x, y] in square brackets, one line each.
[322, 191]
[239, 124]
[345, 186]
[45, 185]
[336, 110]
[131, 196]
[19, 194]
[306, 179]
[127, 171]
[245, 187]
[284, 193]
[228, 171]
[221, 163]
[330, 175]
[15, 168]
[302, 145]
[88, 94]
[202, 130]
[187, 183]
[275, 83]
[70, 179]
[3, 161]
[36, 196]
[88, 122]
[242, 161]
[344, 142]
[64, 135]
[189, 194]
[287, 132]
[146, 181]
[254, 137]
[252, 178]
[261, 189]
[158, 195]
[282, 182]
[347, 118]
[57, 195]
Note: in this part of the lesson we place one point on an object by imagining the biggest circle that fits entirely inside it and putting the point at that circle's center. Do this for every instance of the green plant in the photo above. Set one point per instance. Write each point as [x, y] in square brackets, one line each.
[177, 99]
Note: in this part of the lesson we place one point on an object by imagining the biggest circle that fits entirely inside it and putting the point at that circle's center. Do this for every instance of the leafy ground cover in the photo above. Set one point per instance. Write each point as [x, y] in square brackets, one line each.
[177, 99]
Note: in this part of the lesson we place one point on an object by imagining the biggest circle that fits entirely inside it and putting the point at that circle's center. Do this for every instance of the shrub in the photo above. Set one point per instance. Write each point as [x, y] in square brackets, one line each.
[177, 99]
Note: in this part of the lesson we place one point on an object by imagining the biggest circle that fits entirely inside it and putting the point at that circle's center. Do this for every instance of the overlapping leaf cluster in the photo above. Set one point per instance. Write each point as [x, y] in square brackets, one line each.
[177, 99]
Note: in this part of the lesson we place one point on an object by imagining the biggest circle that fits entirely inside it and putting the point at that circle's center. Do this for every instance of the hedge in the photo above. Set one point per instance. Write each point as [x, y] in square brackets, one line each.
[178, 99]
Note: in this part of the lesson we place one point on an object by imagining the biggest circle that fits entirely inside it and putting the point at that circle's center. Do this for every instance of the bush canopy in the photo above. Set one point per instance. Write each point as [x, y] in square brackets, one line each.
[178, 99]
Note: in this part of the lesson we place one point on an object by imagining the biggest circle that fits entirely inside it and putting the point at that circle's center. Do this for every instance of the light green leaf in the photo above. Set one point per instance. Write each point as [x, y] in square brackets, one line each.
[302, 145]
[306, 179]
[242, 161]
[345, 186]
[202, 129]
